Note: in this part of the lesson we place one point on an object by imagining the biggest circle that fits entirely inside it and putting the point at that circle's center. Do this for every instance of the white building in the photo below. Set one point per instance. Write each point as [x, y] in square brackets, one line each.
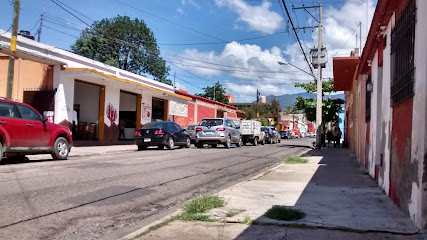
[100, 95]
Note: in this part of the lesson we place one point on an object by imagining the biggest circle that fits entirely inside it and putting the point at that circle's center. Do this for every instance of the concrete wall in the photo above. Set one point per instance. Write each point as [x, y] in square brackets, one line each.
[383, 127]
[27, 74]
[185, 121]
[418, 201]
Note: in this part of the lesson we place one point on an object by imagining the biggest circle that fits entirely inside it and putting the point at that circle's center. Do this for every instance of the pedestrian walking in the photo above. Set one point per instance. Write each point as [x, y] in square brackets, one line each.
[336, 133]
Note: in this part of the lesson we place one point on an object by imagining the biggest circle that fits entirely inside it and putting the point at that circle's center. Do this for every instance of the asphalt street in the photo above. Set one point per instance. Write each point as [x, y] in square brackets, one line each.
[106, 197]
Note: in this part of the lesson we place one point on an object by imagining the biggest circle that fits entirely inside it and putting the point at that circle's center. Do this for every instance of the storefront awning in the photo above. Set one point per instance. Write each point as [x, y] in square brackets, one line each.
[126, 81]
[344, 72]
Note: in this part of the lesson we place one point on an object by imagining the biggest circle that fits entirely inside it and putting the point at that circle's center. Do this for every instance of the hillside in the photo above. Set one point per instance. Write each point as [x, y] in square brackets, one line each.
[289, 99]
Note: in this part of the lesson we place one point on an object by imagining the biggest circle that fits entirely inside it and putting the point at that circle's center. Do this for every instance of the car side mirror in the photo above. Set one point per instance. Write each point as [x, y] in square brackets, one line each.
[44, 118]
[184, 129]
[237, 127]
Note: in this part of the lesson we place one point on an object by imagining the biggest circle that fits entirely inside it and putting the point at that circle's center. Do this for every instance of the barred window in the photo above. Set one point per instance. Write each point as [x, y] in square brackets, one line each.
[402, 54]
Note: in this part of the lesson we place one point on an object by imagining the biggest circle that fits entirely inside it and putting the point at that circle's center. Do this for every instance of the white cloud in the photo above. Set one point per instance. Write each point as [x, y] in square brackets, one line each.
[190, 2]
[180, 86]
[259, 18]
[257, 68]
[180, 11]
[341, 26]
[251, 67]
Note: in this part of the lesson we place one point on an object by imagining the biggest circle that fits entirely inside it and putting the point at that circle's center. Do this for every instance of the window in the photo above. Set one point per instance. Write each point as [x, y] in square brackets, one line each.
[9, 110]
[402, 54]
[368, 99]
[211, 122]
[177, 127]
[228, 123]
[28, 113]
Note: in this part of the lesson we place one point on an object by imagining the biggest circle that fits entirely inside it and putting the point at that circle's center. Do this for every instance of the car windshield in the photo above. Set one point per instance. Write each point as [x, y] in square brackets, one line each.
[211, 122]
[265, 129]
[152, 125]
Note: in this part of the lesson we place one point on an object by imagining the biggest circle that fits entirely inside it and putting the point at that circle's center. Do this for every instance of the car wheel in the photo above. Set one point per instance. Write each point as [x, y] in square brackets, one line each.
[141, 147]
[171, 144]
[60, 149]
[187, 143]
[227, 143]
[255, 142]
[240, 143]
[214, 145]
[263, 142]
[160, 147]
[279, 140]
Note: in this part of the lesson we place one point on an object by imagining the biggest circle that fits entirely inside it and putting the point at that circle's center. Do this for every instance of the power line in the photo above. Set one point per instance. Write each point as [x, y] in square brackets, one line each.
[60, 31]
[222, 42]
[188, 83]
[81, 14]
[299, 42]
[69, 12]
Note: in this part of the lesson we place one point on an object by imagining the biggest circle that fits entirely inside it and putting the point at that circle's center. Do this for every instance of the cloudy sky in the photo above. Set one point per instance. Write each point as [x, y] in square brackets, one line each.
[235, 42]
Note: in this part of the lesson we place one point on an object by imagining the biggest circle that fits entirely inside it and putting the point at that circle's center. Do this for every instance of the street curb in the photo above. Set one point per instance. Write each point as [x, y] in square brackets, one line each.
[140, 231]
[144, 229]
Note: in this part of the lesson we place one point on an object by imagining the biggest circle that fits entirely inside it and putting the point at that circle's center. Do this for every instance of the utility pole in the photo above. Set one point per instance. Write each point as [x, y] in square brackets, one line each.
[11, 68]
[214, 91]
[40, 28]
[257, 107]
[174, 83]
[319, 84]
[360, 38]
[319, 66]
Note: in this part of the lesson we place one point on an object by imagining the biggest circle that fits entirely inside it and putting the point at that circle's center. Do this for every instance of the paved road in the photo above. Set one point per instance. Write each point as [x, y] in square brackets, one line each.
[108, 196]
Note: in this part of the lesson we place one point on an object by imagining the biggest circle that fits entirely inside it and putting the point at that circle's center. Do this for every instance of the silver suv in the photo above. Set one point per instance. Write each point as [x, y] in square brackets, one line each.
[214, 131]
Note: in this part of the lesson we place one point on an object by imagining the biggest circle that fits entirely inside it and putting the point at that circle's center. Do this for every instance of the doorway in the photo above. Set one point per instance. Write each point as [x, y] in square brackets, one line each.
[127, 115]
[160, 110]
[86, 110]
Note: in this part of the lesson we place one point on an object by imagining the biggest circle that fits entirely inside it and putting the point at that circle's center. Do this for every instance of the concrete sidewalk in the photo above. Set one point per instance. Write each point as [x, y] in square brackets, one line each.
[339, 199]
[90, 151]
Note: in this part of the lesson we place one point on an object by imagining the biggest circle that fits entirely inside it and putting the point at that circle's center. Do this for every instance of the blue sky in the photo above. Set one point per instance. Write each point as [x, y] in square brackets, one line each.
[241, 65]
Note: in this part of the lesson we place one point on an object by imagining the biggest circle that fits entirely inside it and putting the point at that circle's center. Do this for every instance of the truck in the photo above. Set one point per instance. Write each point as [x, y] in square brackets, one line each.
[251, 132]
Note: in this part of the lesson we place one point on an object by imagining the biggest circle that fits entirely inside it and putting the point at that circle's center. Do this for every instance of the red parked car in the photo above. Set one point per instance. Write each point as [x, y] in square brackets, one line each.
[24, 131]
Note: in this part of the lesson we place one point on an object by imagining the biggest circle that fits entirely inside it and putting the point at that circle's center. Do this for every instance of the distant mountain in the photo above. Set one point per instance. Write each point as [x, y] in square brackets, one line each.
[289, 99]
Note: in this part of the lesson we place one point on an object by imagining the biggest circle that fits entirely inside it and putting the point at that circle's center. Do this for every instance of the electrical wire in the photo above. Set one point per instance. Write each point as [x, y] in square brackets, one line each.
[299, 42]
[60, 31]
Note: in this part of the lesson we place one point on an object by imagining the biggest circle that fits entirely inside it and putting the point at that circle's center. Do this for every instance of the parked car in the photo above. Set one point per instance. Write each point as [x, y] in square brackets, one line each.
[191, 130]
[286, 134]
[24, 131]
[270, 136]
[251, 132]
[214, 131]
[162, 134]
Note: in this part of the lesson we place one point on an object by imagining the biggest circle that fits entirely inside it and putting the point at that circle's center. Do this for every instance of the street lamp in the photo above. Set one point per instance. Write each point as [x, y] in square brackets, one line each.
[288, 63]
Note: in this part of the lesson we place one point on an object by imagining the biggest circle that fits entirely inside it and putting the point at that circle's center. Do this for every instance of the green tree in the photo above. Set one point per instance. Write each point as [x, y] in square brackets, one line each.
[330, 107]
[123, 43]
[216, 92]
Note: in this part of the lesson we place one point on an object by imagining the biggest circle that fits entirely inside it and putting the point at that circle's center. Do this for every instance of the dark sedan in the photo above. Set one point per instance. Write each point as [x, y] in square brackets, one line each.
[285, 134]
[162, 134]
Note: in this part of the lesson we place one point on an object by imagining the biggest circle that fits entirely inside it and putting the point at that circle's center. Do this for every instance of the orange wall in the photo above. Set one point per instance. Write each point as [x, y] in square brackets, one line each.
[27, 74]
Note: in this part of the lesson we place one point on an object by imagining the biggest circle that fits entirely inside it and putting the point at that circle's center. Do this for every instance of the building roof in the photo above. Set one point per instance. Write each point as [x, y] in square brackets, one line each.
[51, 55]
[185, 93]
[344, 72]
[382, 15]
